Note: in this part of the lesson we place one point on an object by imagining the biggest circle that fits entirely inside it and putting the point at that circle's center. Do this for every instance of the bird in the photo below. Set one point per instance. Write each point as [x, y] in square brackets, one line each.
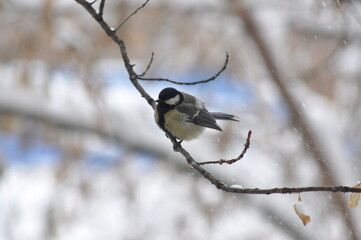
[185, 117]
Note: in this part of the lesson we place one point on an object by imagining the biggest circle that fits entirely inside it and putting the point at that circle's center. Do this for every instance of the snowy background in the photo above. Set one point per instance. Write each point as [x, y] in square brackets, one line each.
[81, 156]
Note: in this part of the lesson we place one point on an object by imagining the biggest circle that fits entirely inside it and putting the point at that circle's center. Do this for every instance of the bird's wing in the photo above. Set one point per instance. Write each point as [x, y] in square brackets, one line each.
[190, 99]
[225, 116]
[205, 119]
[198, 116]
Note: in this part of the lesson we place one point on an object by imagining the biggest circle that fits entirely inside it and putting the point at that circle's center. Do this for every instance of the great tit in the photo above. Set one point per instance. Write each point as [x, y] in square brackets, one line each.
[183, 116]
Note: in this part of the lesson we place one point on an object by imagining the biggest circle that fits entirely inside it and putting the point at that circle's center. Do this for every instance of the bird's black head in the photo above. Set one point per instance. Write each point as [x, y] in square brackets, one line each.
[170, 96]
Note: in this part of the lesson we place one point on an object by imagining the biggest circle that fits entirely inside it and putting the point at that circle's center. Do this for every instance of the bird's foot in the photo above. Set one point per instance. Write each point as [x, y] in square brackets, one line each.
[177, 145]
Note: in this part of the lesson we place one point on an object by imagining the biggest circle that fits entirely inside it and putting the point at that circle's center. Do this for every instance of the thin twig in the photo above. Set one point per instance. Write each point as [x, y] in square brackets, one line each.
[148, 66]
[231, 161]
[101, 8]
[135, 12]
[190, 83]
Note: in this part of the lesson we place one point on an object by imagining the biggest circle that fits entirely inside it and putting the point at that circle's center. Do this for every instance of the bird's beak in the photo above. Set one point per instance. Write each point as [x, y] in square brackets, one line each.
[157, 100]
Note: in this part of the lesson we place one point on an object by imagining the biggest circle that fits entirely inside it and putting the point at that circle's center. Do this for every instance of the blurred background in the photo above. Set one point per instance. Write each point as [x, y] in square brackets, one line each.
[81, 156]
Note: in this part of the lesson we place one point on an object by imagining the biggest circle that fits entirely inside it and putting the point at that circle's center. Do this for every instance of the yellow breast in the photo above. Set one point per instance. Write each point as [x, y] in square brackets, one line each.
[175, 123]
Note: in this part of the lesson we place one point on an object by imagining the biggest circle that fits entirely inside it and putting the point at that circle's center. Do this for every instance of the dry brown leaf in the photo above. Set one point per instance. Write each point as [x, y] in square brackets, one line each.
[355, 197]
[300, 211]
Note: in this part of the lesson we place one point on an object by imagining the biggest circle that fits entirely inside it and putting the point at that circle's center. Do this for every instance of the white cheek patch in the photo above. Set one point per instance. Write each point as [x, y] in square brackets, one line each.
[173, 101]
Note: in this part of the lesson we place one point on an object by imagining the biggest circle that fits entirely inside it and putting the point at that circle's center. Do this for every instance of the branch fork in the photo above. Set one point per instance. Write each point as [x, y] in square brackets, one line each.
[134, 78]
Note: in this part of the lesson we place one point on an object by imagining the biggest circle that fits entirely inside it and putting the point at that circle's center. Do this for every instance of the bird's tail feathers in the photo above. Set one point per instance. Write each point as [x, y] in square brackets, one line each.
[225, 116]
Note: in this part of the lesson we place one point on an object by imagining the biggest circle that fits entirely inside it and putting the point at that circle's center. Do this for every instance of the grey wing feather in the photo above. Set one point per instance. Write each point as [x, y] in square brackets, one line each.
[188, 109]
[205, 119]
[198, 116]
[190, 99]
[224, 116]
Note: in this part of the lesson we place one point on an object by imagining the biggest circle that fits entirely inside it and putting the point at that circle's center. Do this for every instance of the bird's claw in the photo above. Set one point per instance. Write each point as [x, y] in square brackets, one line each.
[177, 145]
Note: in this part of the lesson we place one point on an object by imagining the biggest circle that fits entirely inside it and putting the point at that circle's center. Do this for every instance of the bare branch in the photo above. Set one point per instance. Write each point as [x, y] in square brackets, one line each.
[148, 66]
[133, 77]
[135, 12]
[231, 161]
[190, 83]
[101, 8]
[235, 189]
[286, 190]
[91, 3]
[128, 66]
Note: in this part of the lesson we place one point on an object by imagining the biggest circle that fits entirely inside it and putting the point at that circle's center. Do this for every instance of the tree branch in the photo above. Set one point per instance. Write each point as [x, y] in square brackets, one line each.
[190, 83]
[148, 66]
[94, 1]
[235, 189]
[135, 12]
[231, 161]
[284, 190]
[128, 66]
[101, 8]
[177, 145]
